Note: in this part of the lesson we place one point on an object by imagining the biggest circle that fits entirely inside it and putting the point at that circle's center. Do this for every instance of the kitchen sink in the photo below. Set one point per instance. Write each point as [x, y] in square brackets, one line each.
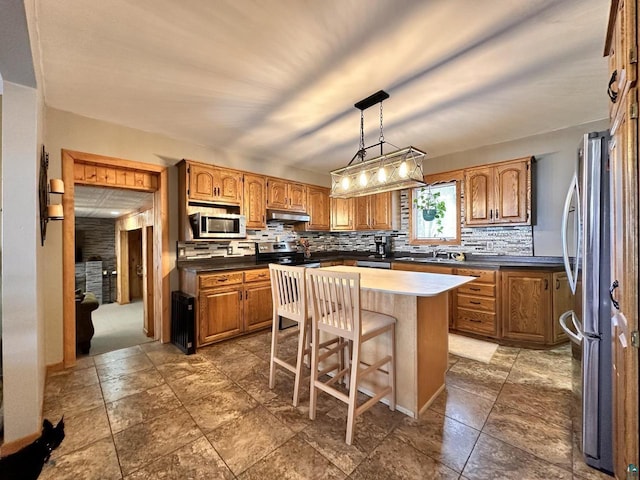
[427, 259]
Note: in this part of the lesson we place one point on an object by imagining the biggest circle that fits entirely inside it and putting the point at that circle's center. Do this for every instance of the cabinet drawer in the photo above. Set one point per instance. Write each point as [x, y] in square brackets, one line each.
[256, 275]
[475, 288]
[215, 280]
[475, 321]
[477, 303]
[484, 276]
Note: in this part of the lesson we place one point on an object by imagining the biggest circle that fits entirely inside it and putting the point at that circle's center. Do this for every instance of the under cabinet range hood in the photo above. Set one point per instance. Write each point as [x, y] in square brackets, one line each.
[286, 217]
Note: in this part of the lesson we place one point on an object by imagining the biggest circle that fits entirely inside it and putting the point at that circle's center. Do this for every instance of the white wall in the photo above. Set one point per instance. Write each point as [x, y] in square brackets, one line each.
[555, 154]
[74, 132]
[22, 317]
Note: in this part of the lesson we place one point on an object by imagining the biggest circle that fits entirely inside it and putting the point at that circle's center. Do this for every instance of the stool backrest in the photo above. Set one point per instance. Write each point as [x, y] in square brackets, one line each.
[335, 302]
[289, 291]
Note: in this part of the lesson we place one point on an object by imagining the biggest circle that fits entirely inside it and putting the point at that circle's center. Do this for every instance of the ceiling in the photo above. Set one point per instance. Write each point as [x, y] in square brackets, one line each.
[277, 80]
[101, 202]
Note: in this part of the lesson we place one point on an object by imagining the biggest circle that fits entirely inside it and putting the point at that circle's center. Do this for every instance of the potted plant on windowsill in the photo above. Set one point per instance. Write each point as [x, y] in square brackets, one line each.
[432, 208]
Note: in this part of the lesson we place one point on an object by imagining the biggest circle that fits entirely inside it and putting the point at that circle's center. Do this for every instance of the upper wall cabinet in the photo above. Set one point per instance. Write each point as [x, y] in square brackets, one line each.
[283, 195]
[342, 217]
[499, 193]
[254, 201]
[374, 212]
[213, 184]
[318, 209]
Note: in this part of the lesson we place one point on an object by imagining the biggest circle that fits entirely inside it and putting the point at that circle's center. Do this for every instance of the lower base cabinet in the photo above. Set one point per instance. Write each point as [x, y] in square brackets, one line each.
[229, 304]
[526, 306]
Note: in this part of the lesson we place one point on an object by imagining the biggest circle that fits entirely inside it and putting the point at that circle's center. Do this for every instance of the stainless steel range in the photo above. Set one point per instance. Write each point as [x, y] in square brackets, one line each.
[283, 253]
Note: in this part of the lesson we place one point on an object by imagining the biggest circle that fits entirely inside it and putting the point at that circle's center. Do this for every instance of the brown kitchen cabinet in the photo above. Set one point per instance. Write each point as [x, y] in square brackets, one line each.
[211, 184]
[562, 301]
[258, 303]
[342, 214]
[219, 307]
[499, 193]
[229, 304]
[373, 212]
[285, 195]
[318, 208]
[526, 306]
[476, 309]
[254, 201]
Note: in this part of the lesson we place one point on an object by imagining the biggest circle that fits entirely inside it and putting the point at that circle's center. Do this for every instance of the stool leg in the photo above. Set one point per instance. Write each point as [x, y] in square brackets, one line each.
[353, 390]
[274, 350]
[392, 370]
[313, 392]
[302, 343]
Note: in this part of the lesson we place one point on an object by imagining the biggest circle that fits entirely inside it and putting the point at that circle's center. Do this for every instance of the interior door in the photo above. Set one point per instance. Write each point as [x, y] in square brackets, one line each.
[136, 261]
[147, 247]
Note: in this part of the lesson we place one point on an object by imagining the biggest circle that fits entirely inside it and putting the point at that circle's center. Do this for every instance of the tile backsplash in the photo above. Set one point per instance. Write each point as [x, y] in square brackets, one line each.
[479, 240]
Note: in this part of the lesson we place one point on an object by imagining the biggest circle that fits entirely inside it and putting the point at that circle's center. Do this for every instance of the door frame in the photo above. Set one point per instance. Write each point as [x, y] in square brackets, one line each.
[161, 253]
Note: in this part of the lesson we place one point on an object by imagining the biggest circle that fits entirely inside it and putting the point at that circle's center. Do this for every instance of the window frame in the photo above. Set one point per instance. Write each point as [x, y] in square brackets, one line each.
[455, 176]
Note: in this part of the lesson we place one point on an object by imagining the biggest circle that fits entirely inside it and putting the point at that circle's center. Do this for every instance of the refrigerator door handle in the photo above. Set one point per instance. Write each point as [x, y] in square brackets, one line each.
[572, 274]
[574, 337]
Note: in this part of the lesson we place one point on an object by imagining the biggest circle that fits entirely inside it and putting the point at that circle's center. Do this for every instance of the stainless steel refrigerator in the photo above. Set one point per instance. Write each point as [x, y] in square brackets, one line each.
[587, 257]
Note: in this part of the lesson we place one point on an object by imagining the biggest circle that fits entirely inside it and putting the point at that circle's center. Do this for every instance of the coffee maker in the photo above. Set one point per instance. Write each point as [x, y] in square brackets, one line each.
[383, 246]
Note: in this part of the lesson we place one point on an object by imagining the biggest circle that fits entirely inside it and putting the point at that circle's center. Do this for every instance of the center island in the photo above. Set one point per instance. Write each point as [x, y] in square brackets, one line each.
[420, 303]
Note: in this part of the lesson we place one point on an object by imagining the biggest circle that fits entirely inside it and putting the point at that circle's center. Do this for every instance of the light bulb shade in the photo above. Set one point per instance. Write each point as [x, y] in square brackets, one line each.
[55, 212]
[56, 185]
[394, 171]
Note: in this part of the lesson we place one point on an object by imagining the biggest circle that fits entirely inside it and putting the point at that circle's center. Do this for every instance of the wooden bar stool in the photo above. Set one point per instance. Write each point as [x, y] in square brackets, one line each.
[289, 292]
[335, 310]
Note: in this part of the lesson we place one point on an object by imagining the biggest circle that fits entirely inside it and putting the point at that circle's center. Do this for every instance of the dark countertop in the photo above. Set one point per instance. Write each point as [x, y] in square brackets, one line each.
[472, 261]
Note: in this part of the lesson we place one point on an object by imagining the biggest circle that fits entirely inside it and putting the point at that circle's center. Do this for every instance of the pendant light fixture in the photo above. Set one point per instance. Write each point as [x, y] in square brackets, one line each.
[397, 170]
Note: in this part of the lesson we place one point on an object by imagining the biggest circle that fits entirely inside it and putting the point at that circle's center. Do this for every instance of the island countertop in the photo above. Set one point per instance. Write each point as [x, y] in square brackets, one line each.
[404, 283]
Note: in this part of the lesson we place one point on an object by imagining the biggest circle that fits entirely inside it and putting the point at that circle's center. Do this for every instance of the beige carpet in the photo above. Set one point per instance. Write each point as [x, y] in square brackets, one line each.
[471, 348]
[117, 326]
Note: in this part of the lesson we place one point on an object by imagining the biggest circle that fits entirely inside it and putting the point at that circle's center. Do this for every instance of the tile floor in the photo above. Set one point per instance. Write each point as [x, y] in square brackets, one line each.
[150, 412]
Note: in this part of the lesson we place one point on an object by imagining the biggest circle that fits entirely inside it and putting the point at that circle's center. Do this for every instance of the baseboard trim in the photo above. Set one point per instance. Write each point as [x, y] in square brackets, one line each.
[12, 447]
[55, 367]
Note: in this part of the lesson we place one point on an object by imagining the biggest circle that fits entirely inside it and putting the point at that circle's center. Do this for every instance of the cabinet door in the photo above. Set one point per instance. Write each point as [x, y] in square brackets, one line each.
[478, 196]
[219, 314]
[510, 202]
[203, 182]
[297, 197]
[318, 208]
[362, 209]
[380, 211]
[342, 214]
[254, 201]
[258, 306]
[277, 194]
[526, 306]
[229, 188]
[562, 302]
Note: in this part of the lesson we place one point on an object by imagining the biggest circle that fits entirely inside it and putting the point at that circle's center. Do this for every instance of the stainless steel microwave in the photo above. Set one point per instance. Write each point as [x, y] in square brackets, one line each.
[224, 225]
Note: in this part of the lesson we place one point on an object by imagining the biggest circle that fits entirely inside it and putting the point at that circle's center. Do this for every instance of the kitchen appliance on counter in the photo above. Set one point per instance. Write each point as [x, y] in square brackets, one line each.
[383, 246]
[220, 225]
[587, 252]
[284, 253]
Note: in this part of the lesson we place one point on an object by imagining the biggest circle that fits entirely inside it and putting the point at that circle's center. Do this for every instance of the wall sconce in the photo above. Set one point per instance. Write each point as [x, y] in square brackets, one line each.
[55, 185]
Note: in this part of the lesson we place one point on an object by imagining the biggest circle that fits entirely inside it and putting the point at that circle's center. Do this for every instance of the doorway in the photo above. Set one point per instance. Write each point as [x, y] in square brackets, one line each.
[83, 169]
[118, 320]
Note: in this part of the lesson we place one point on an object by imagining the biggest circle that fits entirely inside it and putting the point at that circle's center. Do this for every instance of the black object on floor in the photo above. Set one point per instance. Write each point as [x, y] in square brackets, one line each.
[183, 322]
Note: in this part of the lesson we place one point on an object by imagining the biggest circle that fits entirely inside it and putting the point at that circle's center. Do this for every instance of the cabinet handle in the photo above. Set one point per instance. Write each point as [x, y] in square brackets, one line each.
[223, 279]
[474, 289]
[557, 284]
[614, 302]
[474, 320]
[491, 214]
[240, 296]
[475, 303]
[497, 213]
[546, 284]
[613, 96]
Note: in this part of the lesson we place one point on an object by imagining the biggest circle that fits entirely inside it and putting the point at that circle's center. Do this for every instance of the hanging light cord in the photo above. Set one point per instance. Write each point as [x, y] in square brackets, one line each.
[362, 151]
